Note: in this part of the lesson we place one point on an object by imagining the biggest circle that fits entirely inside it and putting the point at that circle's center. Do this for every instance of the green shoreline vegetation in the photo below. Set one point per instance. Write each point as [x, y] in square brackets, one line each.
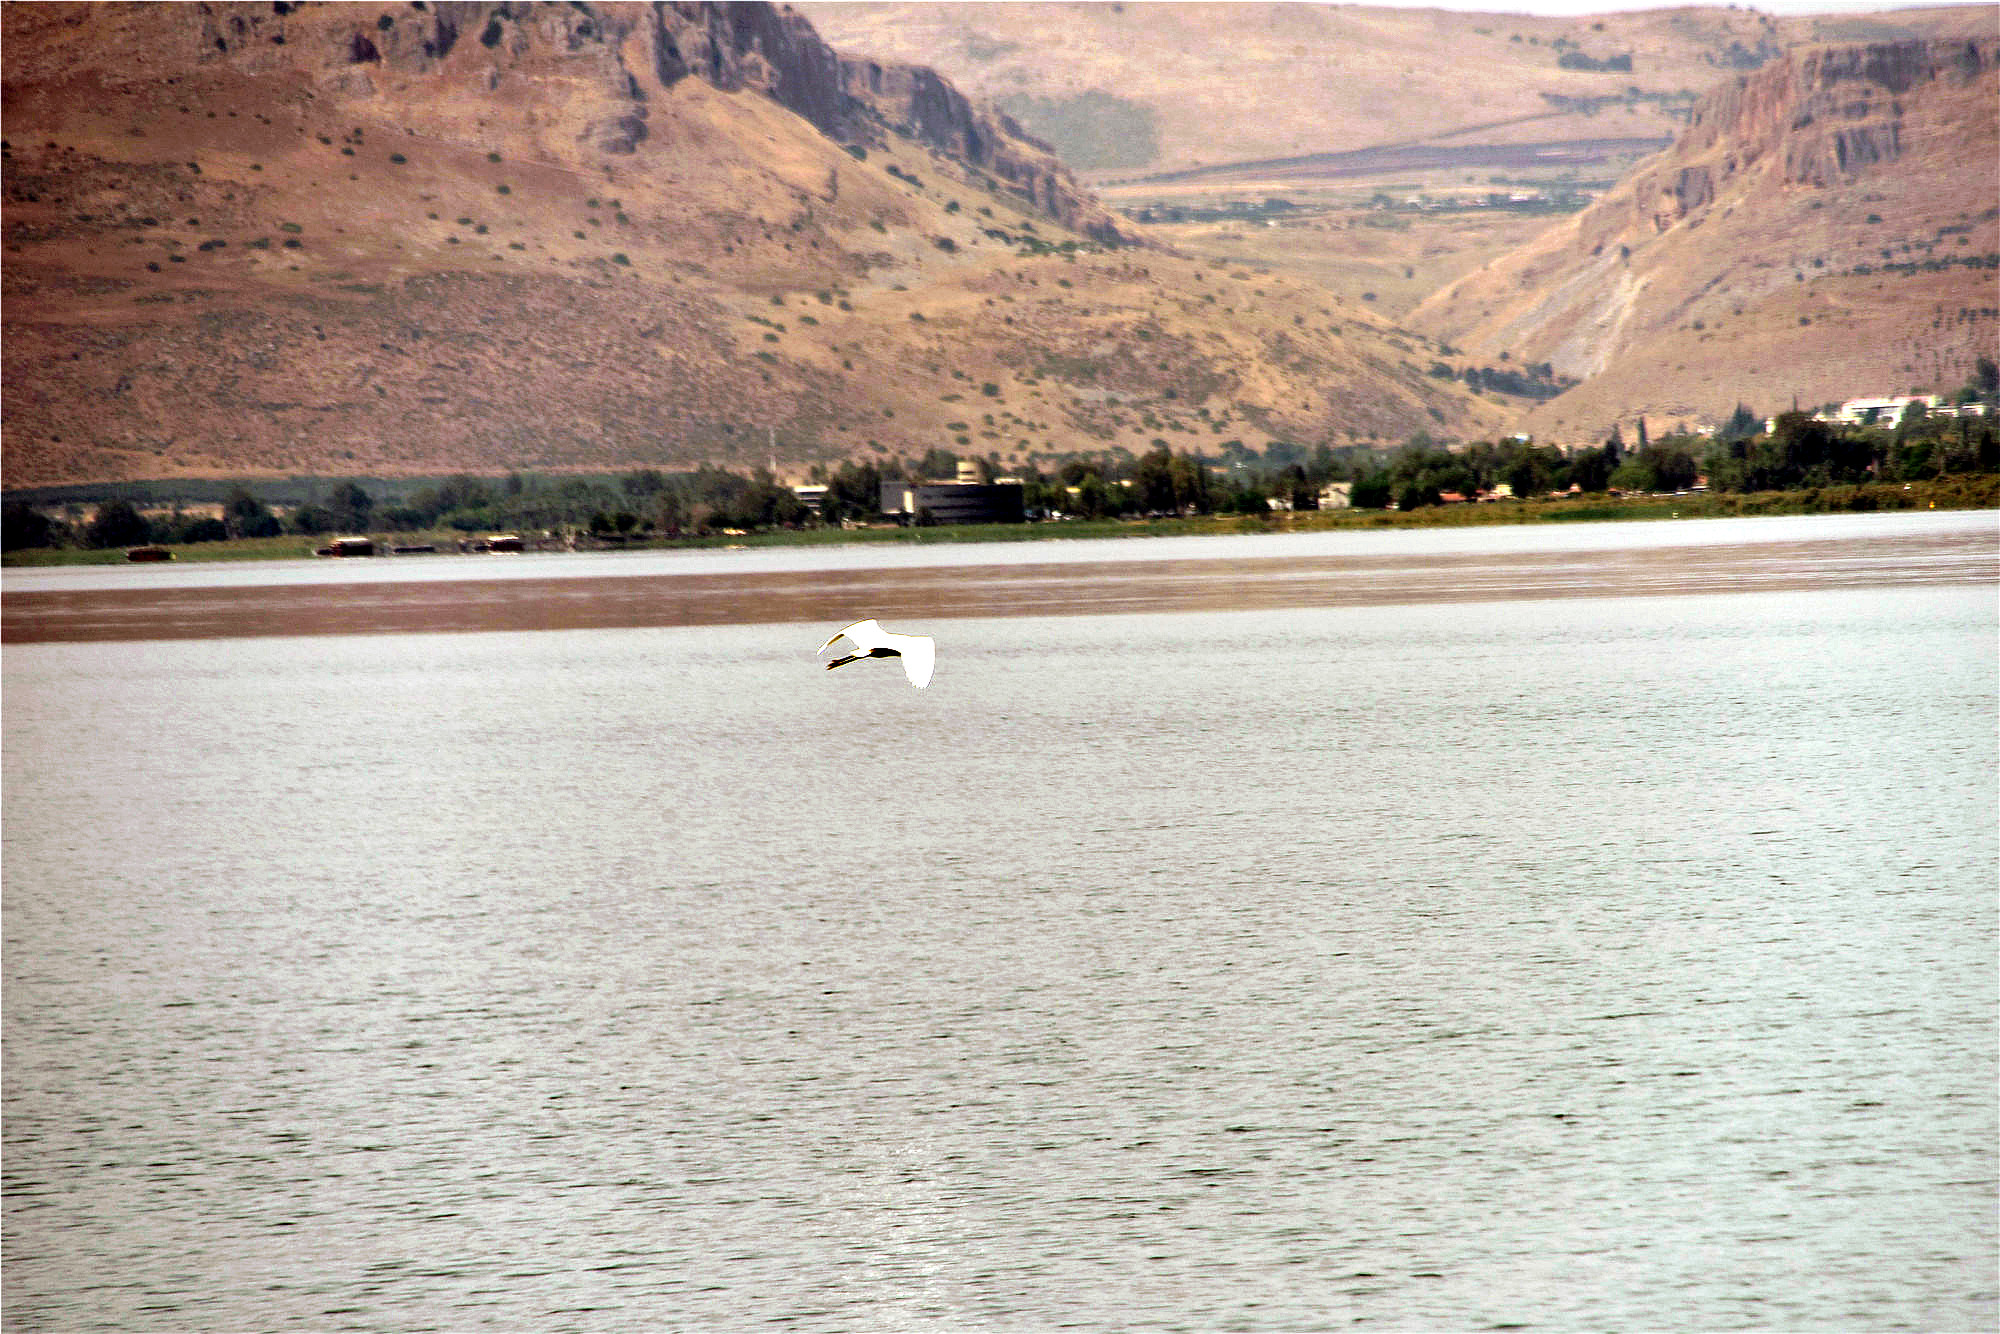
[1956, 493]
[1800, 465]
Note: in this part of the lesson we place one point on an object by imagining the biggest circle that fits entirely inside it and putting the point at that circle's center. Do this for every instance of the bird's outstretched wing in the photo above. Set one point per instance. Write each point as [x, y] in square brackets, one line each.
[863, 634]
[919, 656]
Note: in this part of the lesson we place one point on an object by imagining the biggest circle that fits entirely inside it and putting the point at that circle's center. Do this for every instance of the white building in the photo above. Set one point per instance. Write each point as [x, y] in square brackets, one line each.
[1878, 411]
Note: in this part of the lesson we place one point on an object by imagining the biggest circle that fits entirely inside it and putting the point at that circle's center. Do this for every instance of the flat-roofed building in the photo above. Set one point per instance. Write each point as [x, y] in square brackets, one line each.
[966, 500]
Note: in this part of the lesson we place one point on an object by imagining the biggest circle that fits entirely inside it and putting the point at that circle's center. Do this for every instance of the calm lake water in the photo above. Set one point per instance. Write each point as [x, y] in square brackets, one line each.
[1601, 962]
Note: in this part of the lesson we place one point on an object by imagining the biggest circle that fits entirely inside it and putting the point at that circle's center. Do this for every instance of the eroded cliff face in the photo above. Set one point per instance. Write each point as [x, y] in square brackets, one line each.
[596, 67]
[1753, 251]
[1812, 120]
[923, 104]
[854, 100]
[1820, 116]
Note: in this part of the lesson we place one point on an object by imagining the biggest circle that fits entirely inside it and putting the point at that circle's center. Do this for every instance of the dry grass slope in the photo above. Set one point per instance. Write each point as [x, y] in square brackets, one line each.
[239, 243]
[1826, 229]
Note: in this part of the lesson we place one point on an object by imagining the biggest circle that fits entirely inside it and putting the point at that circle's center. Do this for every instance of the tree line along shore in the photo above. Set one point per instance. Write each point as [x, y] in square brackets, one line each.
[1793, 464]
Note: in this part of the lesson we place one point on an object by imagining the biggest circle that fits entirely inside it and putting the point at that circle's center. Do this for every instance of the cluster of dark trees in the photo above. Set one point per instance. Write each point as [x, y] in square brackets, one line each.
[647, 501]
[1798, 452]
[1538, 381]
[1621, 63]
[1802, 452]
[119, 523]
[1423, 473]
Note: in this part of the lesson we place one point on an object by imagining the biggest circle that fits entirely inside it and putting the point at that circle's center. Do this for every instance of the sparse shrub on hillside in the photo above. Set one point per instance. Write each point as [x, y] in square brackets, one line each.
[398, 159]
[619, 259]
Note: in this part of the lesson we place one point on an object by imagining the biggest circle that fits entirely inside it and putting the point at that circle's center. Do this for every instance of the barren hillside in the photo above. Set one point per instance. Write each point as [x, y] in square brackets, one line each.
[1826, 228]
[1130, 91]
[401, 239]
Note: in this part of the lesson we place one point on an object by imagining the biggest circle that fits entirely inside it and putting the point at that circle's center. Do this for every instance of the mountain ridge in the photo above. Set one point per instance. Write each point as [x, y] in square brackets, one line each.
[254, 239]
[1130, 92]
[1796, 240]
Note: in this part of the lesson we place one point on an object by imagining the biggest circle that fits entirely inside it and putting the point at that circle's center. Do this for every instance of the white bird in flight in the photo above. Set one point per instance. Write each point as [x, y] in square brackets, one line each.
[870, 640]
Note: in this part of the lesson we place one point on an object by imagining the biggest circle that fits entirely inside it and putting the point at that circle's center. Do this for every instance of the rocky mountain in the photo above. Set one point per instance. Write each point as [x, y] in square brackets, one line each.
[1128, 92]
[1825, 228]
[417, 238]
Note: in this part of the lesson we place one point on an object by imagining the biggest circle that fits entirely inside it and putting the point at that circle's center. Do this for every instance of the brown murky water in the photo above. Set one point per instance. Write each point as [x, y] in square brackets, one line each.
[475, 601]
